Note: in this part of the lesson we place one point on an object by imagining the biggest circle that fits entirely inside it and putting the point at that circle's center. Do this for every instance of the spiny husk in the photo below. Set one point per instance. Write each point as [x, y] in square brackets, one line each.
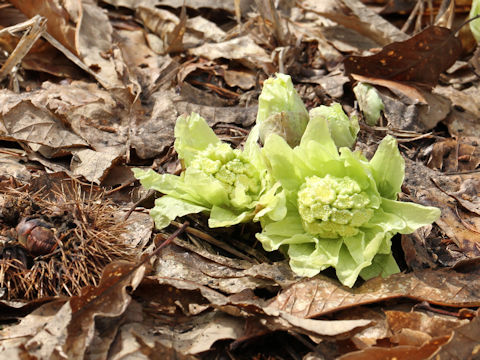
[91, 240]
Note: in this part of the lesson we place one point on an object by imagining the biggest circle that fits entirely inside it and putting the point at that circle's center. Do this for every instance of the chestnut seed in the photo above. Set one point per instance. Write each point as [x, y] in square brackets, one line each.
[41, 241]
[36, 236]
[24, 228]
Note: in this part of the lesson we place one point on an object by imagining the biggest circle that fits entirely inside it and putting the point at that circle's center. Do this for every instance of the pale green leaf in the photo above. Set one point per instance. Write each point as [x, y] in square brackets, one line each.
[388, 168]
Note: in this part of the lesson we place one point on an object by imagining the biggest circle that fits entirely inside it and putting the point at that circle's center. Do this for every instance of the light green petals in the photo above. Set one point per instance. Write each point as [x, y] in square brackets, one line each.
[475, 24]
[222, 217]
[347, 269]
[207, 188]
[318, 132]
[284, 165]
[383, 264]
[369, 102]
[272, 204]
[309, 258]
[343, 130]
[168, 184]
[278, 233]
[281, 110]
[192, 134]
[167, 208]
[413, 215]
[388, 168]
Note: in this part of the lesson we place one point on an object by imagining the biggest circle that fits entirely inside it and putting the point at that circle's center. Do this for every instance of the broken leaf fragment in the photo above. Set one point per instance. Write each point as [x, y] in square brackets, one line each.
[369, 102]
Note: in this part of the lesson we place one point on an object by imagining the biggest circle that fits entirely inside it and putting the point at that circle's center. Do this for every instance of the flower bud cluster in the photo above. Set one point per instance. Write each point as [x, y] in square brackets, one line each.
[227, 165]
[333, 207]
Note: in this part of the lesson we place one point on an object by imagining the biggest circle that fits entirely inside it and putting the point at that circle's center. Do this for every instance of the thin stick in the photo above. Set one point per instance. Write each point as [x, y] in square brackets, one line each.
[37, 29]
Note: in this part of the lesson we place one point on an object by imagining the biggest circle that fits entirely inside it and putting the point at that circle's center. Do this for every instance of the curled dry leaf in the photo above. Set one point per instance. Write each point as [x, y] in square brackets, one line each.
[430, 324]
[227, 275]
[109, 299]
[460, 225]
[25, 122]
[153, 134]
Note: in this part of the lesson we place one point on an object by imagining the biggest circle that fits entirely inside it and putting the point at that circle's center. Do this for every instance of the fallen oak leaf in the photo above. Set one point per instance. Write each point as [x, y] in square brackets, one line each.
[419, 59]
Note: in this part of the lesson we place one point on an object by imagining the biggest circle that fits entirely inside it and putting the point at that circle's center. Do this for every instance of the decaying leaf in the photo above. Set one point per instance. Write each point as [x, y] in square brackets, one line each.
[419, 59]
[451, 155]
[463, 343]
[405, 352]
[319, 296]
[151, 136]
[84, 30]
[109, 299]
[25, 122]
[242, 49]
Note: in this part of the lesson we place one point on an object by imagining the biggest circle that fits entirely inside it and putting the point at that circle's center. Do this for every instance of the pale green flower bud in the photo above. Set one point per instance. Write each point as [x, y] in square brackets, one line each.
[333, 207]
[227, 165]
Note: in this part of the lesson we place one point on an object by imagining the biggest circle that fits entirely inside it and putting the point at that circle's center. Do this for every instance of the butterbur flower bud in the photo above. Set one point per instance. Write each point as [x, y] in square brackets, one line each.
[231, 185]
[341, 210]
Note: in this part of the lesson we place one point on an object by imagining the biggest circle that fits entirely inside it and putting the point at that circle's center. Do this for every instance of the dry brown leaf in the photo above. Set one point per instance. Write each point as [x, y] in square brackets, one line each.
[243, 49]
[244, 79]
[218, 272]
[356, 16]
[468, 195]
[404, 352]
[58, 26]
[92, 165]
[462, 123]
[419, 59]
[431, 324]
[14, 338]
[459, 237]
[141, 61]
[452, 155]
[204, 30]
[10, 164]
[188, 296]
[320, 295]
[463, 343]
[109, 299]
[152, 136]
[25, 122]
[139, 229]
[84, 29]
[461, 226]
[91, 112]
[466, 99]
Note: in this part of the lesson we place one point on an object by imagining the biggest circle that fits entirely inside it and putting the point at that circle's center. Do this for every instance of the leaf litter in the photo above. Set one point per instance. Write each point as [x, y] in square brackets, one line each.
[98, 91]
